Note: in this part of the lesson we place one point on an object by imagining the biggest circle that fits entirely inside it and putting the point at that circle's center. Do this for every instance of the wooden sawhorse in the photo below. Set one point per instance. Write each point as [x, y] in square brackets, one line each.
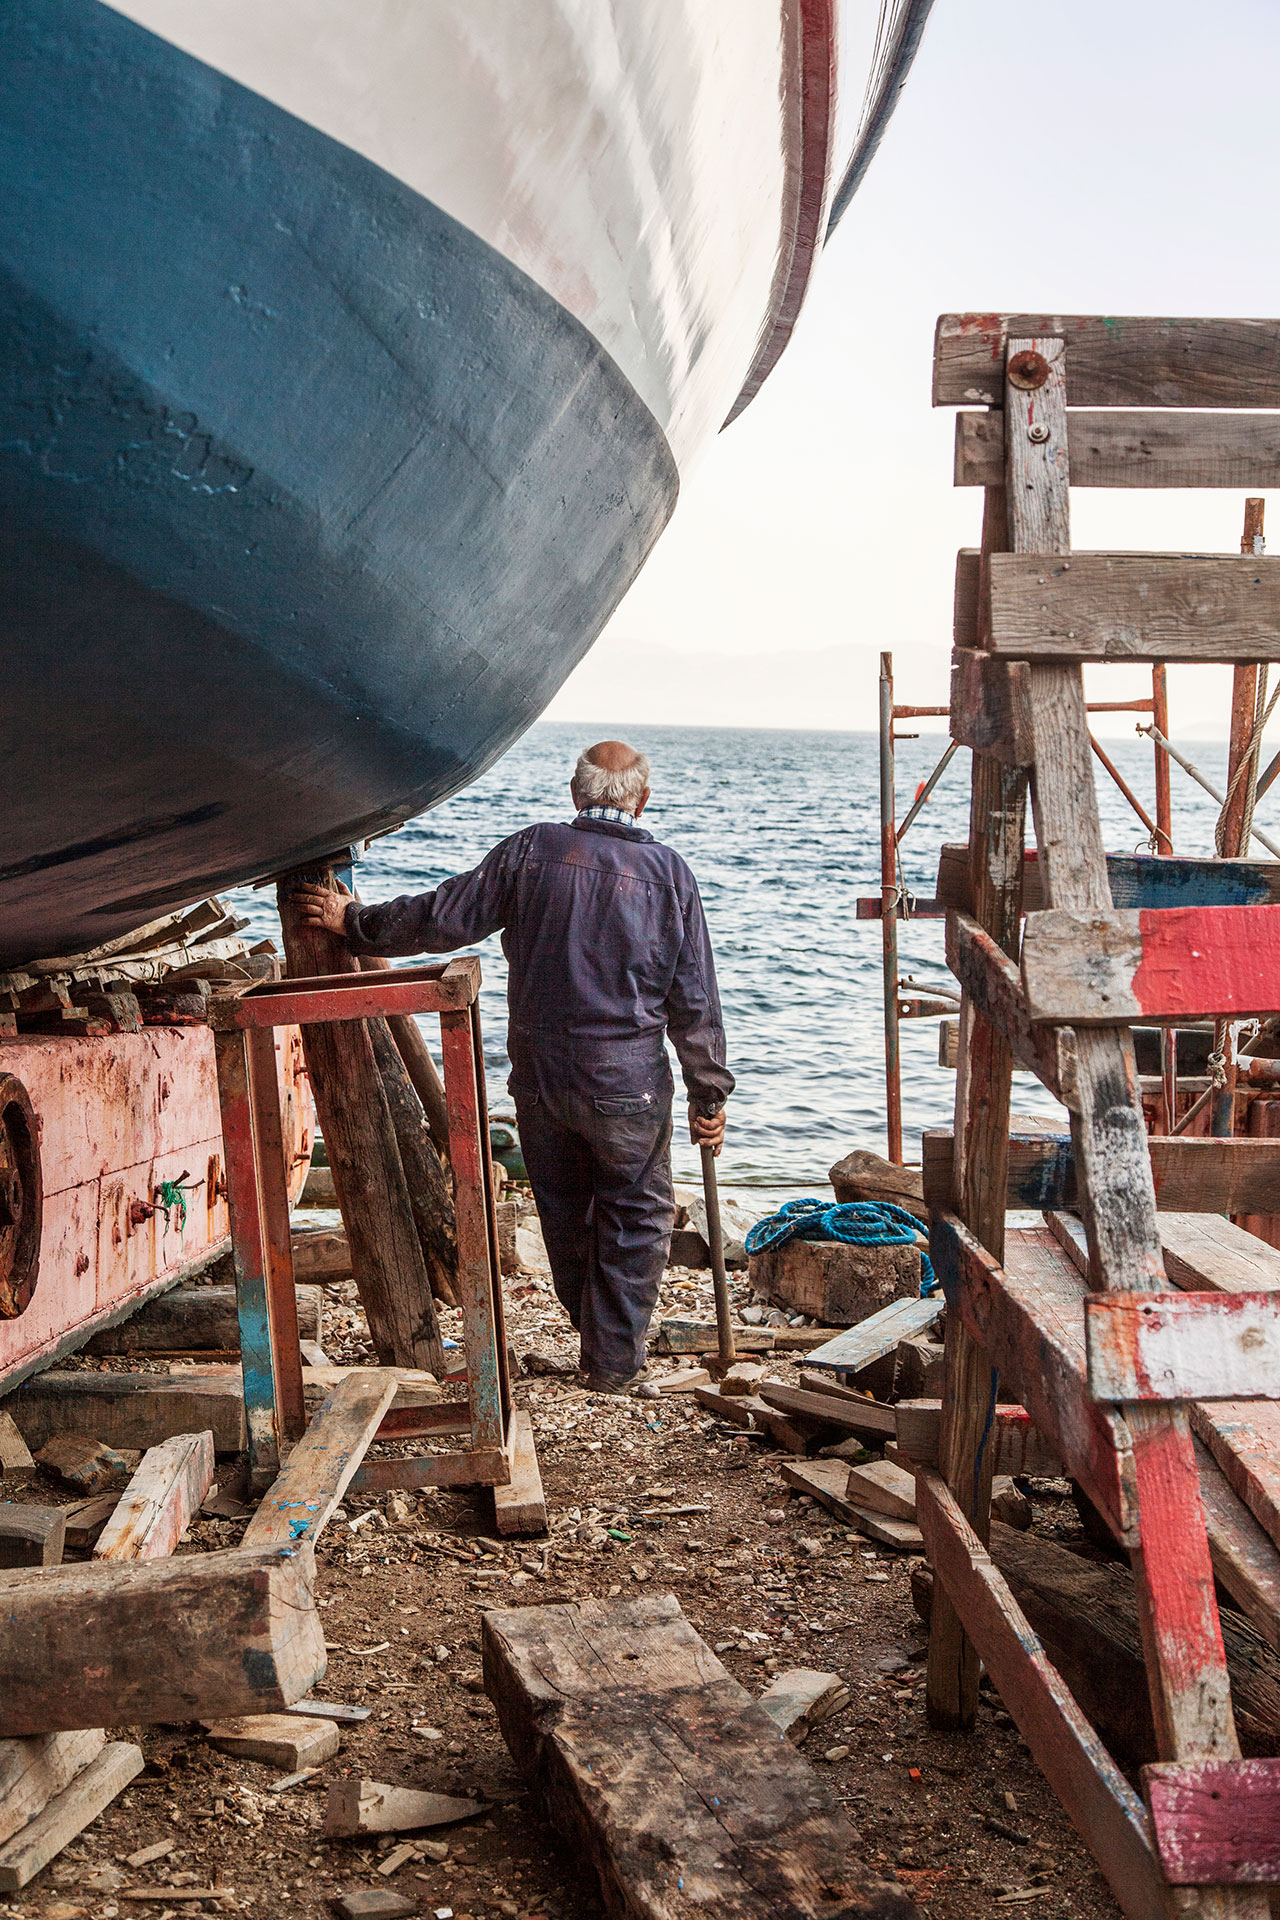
[499, 1448]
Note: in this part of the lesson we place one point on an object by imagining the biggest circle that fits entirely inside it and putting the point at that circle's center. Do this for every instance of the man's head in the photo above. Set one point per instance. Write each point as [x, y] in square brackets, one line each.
[611, 774]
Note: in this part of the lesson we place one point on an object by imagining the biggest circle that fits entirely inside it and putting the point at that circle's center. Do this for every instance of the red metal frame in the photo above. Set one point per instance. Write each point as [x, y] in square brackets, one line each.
[271, 1362]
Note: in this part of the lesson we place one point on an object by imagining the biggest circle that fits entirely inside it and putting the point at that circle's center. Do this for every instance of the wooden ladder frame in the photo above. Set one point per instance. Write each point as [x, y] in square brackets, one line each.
[1028, 614]
[248, 1089]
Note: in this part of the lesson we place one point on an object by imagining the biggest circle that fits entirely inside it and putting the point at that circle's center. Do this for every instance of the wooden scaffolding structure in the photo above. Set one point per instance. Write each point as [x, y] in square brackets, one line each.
[1122, 1377]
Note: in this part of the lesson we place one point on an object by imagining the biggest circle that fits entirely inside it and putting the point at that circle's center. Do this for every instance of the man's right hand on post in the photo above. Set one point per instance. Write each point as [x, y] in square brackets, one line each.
[322, 907]
[706, 1130]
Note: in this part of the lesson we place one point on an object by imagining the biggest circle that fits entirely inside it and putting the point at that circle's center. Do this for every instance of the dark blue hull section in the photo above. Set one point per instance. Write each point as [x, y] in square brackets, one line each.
[309, 500]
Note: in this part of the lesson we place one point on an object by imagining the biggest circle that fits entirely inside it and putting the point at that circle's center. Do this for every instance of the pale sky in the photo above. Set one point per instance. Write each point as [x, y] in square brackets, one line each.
[1077, 158]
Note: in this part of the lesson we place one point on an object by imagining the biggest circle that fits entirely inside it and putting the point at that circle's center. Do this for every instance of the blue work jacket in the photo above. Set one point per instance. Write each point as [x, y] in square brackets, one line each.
[607, 950]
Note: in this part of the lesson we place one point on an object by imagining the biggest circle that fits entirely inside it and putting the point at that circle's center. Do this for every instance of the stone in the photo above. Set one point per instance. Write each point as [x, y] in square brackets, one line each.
[508, 1213]
[735, 1223]
[837, 1284]
[373, 1903]
[688, 1249]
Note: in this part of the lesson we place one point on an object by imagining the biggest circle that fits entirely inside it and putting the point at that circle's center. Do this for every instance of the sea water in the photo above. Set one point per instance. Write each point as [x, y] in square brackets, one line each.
[782, 830]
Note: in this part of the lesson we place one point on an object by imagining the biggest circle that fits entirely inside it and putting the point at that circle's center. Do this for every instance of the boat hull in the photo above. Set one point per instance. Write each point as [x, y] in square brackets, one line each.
[309, 497]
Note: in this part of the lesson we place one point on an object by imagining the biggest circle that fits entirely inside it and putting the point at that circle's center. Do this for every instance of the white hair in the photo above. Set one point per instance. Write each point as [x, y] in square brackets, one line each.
[599, 787]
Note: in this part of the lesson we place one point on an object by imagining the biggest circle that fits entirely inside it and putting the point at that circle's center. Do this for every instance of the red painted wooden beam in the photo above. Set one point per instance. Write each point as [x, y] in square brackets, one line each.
[1096, 969]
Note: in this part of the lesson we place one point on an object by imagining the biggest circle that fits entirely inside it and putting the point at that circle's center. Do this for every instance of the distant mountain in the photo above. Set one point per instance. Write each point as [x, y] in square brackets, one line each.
[642, 684]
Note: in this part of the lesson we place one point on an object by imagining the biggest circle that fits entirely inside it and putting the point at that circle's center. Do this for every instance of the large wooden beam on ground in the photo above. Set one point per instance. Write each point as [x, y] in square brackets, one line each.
[1085, 1615]
[1115, 360]
[1138, 449]
[156, 1507]
[203, 1635]
[849, 1415]
[355, 1119]
[1029, 1317]
[133, 1409]
[1190, 1174]
[1106, 1811]
[1087, 969]
[664, 1775]
[297, 1506]
[199, 1319]
[1202, 1251]
[1135, 606]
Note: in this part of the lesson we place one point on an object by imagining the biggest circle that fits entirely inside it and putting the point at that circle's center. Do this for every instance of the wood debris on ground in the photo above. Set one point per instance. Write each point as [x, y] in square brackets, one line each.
[647, 1496]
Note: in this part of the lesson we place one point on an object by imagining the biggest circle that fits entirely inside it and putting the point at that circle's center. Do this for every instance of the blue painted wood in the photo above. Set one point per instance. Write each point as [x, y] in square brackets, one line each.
[309, 500]
[1143, 880]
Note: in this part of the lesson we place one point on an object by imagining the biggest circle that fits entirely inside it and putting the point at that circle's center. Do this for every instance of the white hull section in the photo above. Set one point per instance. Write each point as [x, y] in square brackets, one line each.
[660, 167]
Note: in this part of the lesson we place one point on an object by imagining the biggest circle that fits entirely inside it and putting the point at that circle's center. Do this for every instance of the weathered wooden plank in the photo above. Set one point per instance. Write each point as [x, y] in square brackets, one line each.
[997, 826]
[1135, 880]
[1135, 606]
[1115, 360]
[1183, 1346]
[1029, 1316]
[1018, 1447]
[1192, 1174]
[1246, 1561]
[1088, 969]
[521, 1506]
[994, 987]
[68, 1814]
[34, 1769]
[289, 1741]
[1217, 1822]
[664, 1775]
[196, 1319]
[199, 1635]
[989, 710]
[883, 1487]
[156, 1507]
[31, 1536]
[15, 1454]
[1136, 449]
[857, 1347]
[1244, 1438]
[826, 1481]
[1099, 1799]
[1202, 1251]
[297, 1505]
[850, 1416]
[133, 1409]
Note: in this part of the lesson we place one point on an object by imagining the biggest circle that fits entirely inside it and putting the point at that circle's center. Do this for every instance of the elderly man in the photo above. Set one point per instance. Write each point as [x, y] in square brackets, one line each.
[608, 953]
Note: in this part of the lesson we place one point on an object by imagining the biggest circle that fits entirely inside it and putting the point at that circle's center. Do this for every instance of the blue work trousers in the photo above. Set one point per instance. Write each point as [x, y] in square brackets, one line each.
[600, 1169]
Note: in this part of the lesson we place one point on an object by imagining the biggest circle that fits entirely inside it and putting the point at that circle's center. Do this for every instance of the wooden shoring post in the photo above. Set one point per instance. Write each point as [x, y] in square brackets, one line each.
[1173, 1574]
[983, 1083]
[355, 1119]
[257, 1361]
[277, 1250]
[1164, 798]
[889, 916]
[487, 1384]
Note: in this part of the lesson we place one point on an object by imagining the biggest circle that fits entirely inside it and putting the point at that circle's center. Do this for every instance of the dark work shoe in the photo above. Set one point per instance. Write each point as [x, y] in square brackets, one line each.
[609, 1382]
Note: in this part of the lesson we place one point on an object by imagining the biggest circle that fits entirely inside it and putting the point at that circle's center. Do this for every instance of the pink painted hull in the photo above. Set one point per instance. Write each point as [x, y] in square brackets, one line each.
[118, 1116]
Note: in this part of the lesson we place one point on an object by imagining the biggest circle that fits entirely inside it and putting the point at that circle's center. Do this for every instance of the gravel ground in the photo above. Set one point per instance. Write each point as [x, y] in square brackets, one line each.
[965, 1821]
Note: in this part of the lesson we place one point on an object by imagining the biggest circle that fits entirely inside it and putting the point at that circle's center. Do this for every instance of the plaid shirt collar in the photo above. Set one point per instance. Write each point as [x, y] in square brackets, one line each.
[617, 815]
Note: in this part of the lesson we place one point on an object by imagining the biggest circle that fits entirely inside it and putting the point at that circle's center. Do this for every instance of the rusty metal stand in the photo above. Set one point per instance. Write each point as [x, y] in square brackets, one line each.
[270, 1357]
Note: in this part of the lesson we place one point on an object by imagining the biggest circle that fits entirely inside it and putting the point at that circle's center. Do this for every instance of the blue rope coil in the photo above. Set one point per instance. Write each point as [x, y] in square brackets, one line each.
[859, 1223]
